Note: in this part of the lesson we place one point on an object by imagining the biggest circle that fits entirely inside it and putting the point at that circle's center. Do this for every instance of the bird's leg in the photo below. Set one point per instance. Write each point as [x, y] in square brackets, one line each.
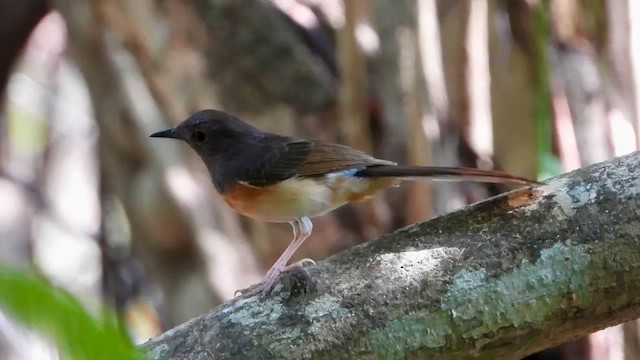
[301, 230]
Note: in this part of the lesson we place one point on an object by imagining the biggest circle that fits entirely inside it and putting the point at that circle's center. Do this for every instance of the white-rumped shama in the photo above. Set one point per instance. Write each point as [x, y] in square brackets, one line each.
[276, 178]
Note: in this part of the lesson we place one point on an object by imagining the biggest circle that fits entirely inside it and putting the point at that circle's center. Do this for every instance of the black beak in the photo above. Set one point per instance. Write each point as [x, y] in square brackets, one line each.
[169, 133]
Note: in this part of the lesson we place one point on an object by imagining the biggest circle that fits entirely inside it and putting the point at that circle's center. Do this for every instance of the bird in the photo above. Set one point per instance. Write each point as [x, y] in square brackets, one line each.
[284, 179]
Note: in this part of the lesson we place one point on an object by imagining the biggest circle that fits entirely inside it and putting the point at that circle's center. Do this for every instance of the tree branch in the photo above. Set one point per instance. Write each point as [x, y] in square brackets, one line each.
[499, 279]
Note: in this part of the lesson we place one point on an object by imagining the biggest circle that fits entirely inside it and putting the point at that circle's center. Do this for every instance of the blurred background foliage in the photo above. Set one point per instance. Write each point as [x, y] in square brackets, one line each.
[133, 229]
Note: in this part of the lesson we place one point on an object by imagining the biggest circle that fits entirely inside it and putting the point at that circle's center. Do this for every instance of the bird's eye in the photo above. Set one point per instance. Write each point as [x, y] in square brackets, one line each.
[198, 136]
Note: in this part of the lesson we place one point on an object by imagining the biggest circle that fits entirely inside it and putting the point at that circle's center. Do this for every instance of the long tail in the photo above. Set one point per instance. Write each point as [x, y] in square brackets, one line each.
[442, 173]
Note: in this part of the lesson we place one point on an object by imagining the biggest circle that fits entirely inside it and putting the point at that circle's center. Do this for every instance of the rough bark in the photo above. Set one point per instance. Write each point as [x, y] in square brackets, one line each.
[501, 279]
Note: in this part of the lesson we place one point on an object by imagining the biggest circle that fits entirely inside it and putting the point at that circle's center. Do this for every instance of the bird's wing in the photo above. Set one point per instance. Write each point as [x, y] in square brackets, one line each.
[284, 158]
[327, 157]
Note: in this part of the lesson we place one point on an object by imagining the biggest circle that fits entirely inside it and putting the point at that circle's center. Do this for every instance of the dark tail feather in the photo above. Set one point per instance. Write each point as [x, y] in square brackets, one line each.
[442, 173]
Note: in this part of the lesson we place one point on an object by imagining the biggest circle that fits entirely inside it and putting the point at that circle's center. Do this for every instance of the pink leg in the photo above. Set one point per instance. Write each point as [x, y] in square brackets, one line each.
[301, 230]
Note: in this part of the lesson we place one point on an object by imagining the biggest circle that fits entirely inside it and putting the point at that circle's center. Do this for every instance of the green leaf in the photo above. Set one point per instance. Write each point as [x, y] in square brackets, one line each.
[550, 166]
[54, 312]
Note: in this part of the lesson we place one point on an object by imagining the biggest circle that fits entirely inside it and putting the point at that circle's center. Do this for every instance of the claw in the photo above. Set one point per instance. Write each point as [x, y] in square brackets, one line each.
[300, 264]
[260, 288]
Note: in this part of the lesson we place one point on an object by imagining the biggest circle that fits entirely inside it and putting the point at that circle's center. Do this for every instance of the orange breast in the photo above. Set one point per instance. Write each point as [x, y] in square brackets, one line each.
[297, 197]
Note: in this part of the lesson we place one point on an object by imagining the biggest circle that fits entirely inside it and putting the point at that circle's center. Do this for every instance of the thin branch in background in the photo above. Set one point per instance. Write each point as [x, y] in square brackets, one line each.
[622, 113]
[564, 131]
[418, 108]
[353, 77]
[634, 55]
[31, 162]
[431, 60]
[478, 81]
[353, 38]
[539, 40]
[48, 41]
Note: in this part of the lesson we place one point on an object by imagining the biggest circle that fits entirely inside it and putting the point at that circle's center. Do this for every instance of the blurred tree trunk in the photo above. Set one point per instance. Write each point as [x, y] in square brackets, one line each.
[512, 93]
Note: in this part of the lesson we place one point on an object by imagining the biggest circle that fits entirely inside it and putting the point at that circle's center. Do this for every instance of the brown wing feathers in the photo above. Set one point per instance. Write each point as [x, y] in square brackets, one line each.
[282, 158]
[326, 157]
[289, 157]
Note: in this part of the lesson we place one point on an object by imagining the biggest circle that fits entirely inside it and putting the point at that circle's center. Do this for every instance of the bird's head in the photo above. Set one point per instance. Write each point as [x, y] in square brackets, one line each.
[211, 133]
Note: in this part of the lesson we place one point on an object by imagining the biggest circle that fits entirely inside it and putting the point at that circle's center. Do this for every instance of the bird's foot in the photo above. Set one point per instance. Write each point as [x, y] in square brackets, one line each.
[261, 288]
[267, 284]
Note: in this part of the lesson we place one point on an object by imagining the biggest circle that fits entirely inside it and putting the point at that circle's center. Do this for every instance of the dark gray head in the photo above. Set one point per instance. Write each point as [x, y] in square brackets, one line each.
[212, 133]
